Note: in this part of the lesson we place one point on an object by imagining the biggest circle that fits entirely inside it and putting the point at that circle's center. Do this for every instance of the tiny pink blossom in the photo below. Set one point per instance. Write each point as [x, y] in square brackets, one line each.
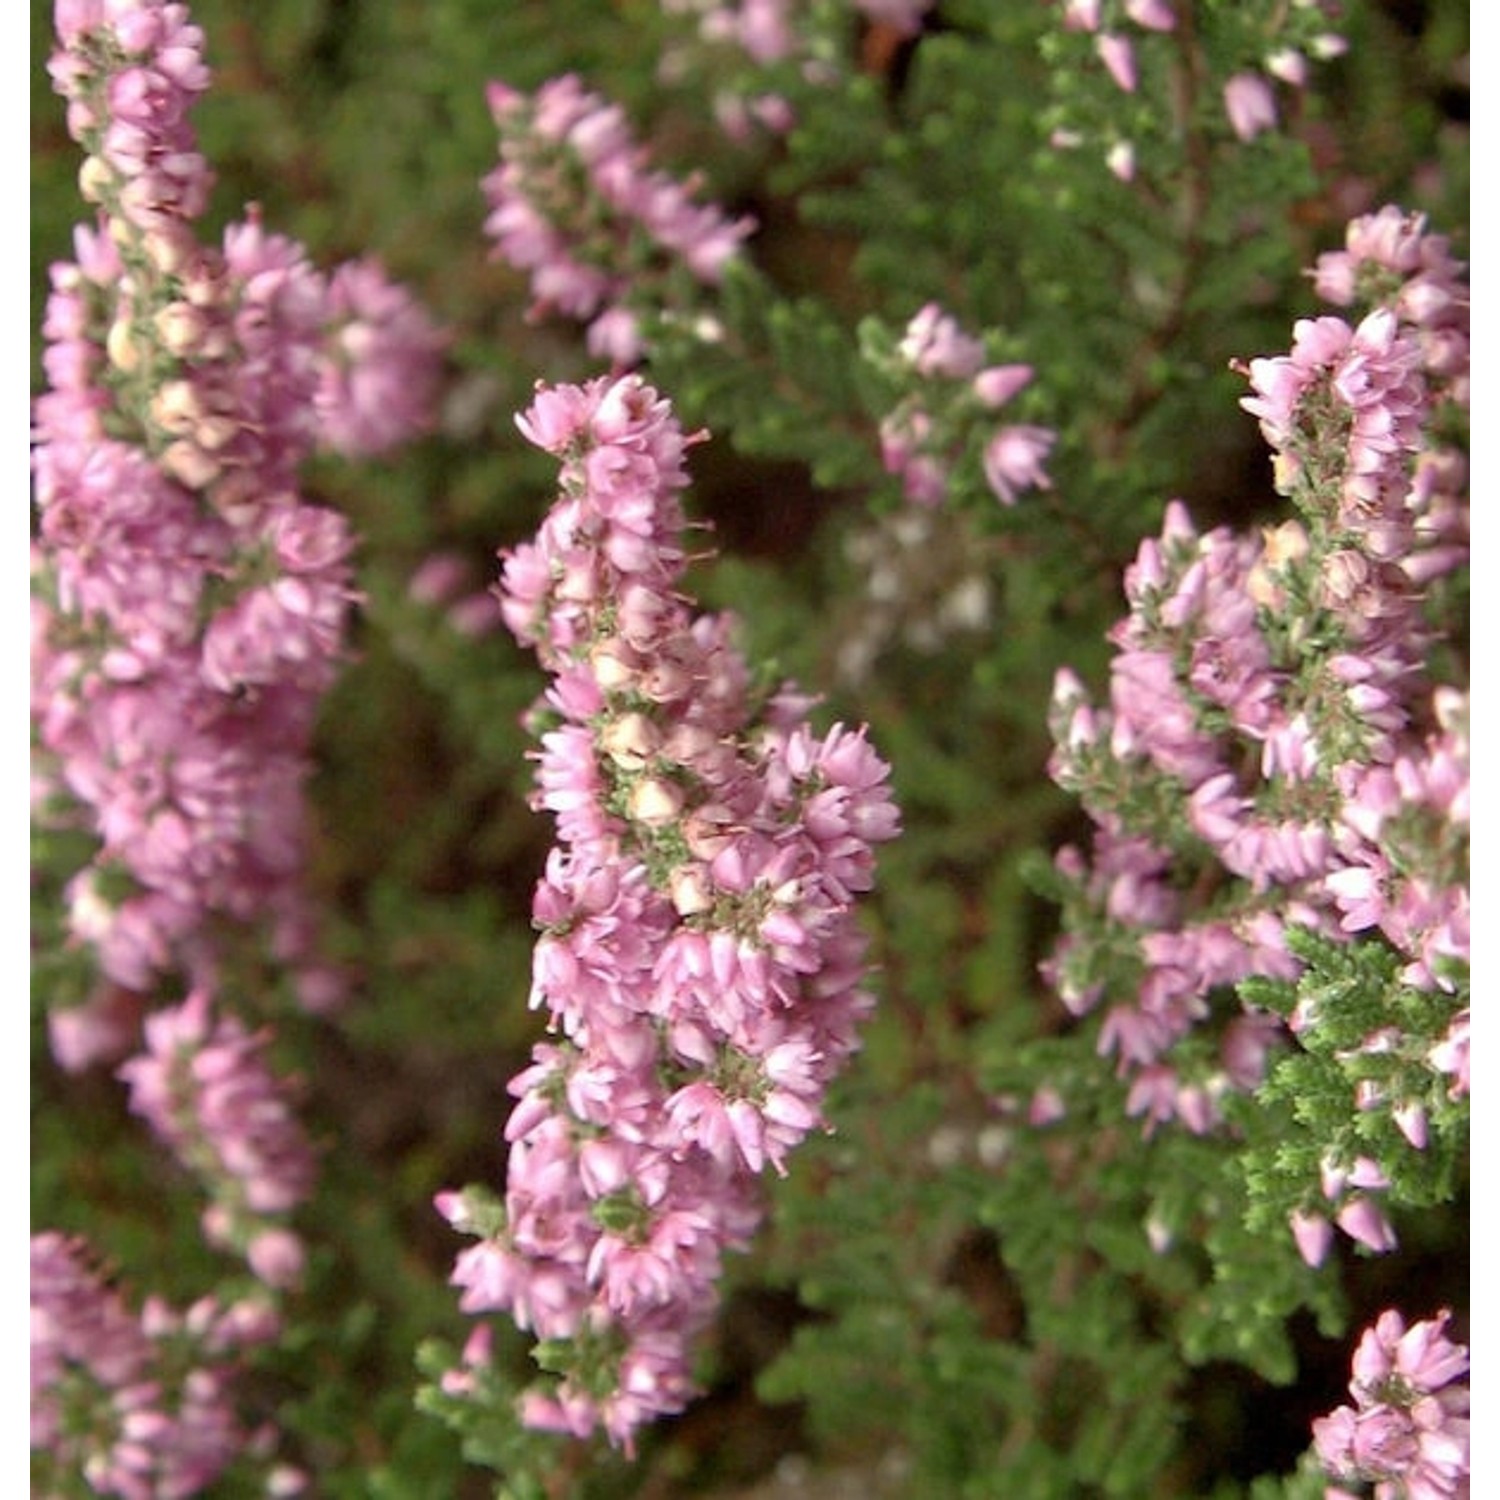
[1408, 1430]
[1363, 1222]
[1152, 15]
[1250, 103]
[1118, 56]
[1013, 461]
[1314, 1236]
[998, 383]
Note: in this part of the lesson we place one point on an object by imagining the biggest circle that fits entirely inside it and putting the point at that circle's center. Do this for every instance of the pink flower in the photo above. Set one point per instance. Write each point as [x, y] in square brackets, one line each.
[1314, 1236]
[1250, 103]
[1013, 461]
[934, 344]
[1118, 56]
[1408, 1430]
[1363, 1222]
[1082, 15]
[1152, 15]
[182, 728]
[997, 384]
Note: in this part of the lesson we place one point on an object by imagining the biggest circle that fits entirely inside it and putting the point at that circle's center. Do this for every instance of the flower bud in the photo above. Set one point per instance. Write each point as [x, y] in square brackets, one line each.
[655, 802]
[176, 408]
[630, 741]
[691, 890]
[613, 664]
[119, 345]
[94, 179]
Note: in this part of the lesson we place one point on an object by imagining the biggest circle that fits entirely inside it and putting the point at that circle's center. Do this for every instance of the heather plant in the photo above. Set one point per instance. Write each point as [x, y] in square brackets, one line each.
[751, 749]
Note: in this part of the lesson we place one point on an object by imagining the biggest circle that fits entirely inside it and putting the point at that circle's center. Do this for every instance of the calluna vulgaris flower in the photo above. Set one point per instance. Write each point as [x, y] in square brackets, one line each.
[190, 607]
[137, 1406]
[699, 961]
[1272, 722]
[1407, 1433]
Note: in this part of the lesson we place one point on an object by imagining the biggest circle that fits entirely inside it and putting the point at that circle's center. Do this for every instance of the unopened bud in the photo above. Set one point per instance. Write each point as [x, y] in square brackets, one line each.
[119, 345]
[630, 741]
[691, 890]
[689, 744]
[655, 802]
[175, 408]
[1285, 544]
[1262, 587]
[613, 664]
[201, 287]
[94, 179]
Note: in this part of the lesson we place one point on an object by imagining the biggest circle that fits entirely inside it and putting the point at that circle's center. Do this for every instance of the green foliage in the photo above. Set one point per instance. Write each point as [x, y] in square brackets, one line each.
[1355, 993]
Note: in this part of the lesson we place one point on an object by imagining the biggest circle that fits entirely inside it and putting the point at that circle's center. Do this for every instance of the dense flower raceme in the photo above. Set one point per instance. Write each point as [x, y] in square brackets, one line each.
[575, 204]
[141, 1406]
[951, 391]
[190, 608]
[1112, 35]
[698, 961]
[1407, 1433]
[1272, 725]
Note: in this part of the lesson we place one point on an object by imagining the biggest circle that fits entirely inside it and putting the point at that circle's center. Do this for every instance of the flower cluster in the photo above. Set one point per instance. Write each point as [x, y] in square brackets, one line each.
[950, 391]
[190, 607]
[573, 202]
[1284, 45]
[140, 1407]
[1275, 754]
[1407, 1433]
[204, 1087]
[698, 958]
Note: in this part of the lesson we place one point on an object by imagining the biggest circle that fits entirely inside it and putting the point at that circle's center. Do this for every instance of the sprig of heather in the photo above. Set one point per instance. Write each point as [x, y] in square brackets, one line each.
[1407, 1433]
[191, 607]
[1277, 768]
[1248, 58]
[605, 238]
[948, 394]
[137, 1405]
[206, 1089]
[699, 960]
[755, 55]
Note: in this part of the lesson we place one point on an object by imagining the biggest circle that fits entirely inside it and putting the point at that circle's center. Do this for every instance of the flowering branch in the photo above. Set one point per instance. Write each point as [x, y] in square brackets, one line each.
[699, 960]
[136, 1406]
[191, 607]
[604, 237]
